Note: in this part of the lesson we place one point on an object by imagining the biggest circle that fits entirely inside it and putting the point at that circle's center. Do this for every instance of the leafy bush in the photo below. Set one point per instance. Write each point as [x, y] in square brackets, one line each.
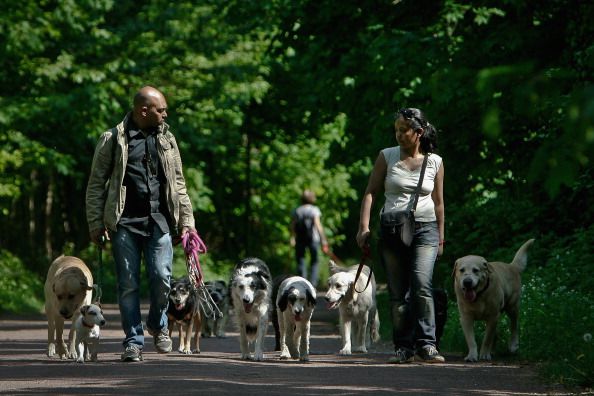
[20, 290]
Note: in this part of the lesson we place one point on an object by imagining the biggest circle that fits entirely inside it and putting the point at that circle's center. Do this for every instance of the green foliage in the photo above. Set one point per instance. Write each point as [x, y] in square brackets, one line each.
[20, 289]
[268, 98]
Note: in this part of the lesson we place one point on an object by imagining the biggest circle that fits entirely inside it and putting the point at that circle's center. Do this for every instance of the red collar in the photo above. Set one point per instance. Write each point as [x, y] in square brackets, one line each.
[86, 325]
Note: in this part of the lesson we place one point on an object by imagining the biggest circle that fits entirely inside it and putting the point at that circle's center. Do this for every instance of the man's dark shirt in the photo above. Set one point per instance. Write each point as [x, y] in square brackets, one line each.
[143, 179]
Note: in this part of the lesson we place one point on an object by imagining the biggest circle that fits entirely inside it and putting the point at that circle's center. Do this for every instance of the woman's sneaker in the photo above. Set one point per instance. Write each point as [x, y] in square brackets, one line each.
[403, 355]
[132, 353]
[429, 354]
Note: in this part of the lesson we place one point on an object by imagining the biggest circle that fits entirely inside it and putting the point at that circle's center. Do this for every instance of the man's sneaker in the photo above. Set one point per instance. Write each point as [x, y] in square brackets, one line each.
[161, 340]
[403, 355]
[132, 353]
[429, 354]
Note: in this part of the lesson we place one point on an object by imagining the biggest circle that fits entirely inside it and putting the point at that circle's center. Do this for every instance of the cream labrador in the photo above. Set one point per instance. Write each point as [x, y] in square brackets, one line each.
[357, 311]
[68, 287]
[484, 290]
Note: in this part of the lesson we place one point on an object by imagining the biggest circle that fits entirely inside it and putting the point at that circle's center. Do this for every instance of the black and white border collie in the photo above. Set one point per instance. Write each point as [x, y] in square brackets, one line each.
[295, 303]
[250, 294]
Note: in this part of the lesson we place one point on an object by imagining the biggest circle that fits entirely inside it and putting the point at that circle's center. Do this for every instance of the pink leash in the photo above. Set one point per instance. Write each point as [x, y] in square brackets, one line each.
[193, 246]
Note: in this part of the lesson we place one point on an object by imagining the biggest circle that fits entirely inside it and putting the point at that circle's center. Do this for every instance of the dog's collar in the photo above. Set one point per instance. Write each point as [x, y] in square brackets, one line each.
[86, 325]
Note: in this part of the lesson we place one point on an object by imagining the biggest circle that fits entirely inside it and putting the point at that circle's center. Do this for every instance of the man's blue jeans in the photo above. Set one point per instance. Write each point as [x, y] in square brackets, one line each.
[128, 248]
[409, 272]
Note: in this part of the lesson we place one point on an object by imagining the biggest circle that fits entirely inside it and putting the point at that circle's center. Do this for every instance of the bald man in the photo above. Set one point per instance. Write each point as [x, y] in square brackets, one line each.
[137, 199]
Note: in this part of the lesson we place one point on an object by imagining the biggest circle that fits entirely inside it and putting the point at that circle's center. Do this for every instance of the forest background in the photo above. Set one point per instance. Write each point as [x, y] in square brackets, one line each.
[270, 97]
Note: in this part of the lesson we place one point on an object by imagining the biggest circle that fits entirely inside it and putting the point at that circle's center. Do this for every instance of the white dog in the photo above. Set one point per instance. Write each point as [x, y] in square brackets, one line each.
[250, 293]
[357, 310]
[68, 286]
[87, 332]
[483, 291]
[295, 304]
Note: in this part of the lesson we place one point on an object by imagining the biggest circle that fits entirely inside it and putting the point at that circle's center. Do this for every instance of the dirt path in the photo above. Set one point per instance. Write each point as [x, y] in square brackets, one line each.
[26, 370]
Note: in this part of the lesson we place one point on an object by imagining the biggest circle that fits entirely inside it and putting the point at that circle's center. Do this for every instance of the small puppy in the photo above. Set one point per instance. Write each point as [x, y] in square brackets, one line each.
[213, 325]
[184, 312]
[356, 310]
[87, 332]
[485, 289]
[295, 303]
[250, 294]
[68, 286]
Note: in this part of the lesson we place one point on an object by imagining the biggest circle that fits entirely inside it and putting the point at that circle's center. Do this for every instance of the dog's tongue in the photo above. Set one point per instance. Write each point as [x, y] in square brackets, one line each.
[331, 305]
[247, 307]
[297, 317]
[178, 307]
[470, 295]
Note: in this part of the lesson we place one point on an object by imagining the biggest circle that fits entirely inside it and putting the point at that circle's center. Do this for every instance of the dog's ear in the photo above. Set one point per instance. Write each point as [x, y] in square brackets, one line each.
[310, 299]
[487, 266]
[84, 309]
[221, 284]
[86, 287]
[455, 269]
[264, 275]
[283, 301]
[333, 267]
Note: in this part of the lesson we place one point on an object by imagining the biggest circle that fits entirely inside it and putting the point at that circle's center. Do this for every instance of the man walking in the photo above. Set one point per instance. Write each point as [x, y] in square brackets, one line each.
[136, 197]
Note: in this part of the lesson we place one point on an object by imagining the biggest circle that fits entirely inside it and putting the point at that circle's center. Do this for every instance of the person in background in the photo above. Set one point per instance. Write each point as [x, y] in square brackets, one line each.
[409, 270]
[136, 197]
[307, 233]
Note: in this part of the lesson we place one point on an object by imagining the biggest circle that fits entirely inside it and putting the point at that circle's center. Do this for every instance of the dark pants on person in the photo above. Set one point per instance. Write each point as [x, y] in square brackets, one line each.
[409, 272]
[313, 249]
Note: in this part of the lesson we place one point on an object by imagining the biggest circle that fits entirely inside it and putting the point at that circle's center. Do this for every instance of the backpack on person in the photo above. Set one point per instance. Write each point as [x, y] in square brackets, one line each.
[304, 228]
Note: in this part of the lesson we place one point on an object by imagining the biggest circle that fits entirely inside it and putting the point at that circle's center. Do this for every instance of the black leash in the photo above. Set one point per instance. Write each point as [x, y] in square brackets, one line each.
[97, 285]
[364, 257]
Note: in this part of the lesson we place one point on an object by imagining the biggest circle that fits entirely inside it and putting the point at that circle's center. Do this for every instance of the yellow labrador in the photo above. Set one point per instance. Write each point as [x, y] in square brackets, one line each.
[484, 290]
[68, 287]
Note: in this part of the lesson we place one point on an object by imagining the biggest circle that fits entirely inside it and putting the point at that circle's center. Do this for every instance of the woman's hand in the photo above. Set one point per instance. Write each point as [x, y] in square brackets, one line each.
[363, 238]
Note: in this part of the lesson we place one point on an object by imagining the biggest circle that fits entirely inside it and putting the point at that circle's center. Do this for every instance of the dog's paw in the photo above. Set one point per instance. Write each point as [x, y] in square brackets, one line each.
[485, 356]
[259, 356]
[471, 357]
[80, 360]
[51, 350]
[246, 356]
[185, 351]
[345, 351]
[304, 358]
[360, 350]
[61, 350]
[196, 351]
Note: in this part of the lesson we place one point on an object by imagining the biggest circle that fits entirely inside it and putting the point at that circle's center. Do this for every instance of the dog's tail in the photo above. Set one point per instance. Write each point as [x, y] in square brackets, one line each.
[375, 326]
[521, 258]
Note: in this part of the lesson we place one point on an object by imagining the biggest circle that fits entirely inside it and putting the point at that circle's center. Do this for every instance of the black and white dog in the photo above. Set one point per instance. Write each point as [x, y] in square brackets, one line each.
[295, 303]
[250, 294]
[184, 311]
[215, 325]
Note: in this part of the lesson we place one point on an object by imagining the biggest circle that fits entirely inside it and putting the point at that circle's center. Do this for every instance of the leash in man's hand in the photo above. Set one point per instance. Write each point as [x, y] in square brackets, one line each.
[193, 246]
[97, 285]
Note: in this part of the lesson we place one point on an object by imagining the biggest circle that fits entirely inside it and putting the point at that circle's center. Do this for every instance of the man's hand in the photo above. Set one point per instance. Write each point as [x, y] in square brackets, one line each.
[99, 236]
